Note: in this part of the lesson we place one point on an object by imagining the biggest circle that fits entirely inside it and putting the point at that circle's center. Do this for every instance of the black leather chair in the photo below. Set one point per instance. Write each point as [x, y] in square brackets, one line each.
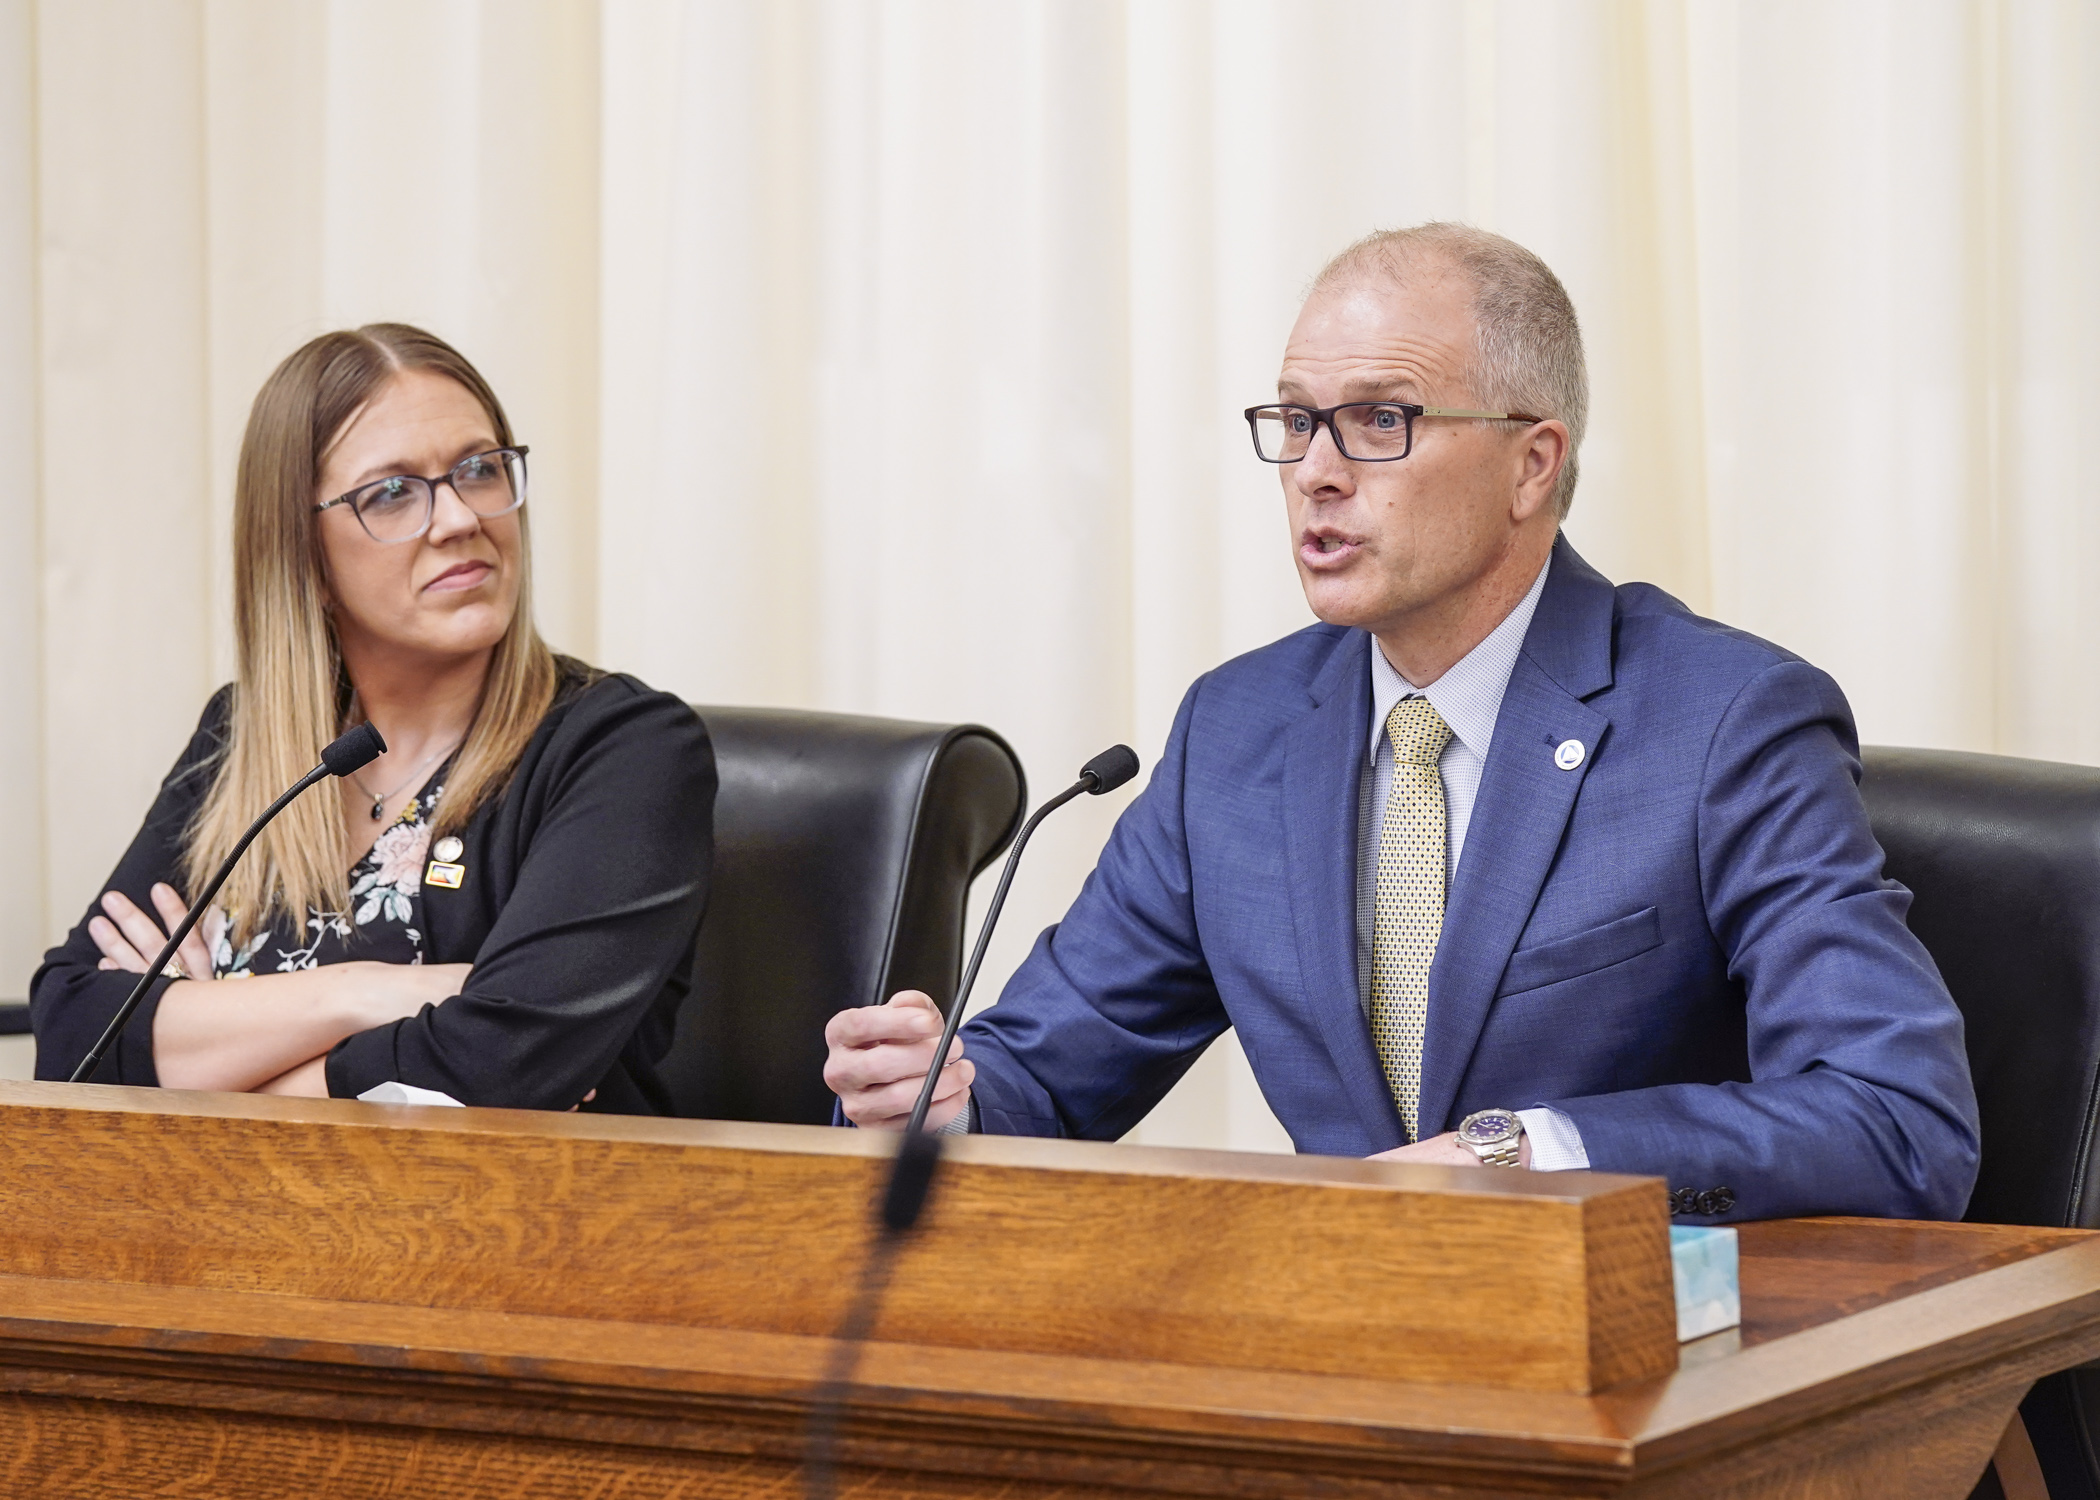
[844, 851]
[2003, 858]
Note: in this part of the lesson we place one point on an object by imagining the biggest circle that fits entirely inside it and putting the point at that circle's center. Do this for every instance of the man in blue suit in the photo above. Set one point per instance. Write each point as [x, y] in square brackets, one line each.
[1499, 864]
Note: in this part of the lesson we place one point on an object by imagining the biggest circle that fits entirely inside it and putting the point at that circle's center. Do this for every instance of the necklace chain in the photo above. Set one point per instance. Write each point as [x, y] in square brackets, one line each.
[381, 799]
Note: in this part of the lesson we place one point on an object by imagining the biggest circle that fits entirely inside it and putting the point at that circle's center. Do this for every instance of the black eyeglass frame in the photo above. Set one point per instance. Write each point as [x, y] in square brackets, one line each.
[430, 484]
[1323, 416]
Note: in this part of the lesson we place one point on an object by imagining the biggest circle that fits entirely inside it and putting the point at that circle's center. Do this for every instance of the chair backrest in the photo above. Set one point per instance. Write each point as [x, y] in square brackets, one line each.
[2003, 858]
[844, 851]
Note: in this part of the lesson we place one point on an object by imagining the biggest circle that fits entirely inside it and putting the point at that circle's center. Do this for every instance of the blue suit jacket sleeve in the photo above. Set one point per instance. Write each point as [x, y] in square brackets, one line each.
[1859, 1099]
[1114, 1003]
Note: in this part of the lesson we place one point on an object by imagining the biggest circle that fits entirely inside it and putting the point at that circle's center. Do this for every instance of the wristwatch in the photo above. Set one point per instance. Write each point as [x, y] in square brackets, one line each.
[1494, 1135]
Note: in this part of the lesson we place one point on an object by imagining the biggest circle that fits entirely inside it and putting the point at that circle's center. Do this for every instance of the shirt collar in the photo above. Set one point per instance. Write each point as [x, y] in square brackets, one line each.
[1469, 696]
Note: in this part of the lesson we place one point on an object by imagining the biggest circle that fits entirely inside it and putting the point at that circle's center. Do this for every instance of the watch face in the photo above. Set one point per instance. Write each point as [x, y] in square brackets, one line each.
[1487, 1127]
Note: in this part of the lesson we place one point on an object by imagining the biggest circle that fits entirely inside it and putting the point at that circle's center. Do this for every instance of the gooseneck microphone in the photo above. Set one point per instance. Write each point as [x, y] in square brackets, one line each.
[350, 752]
[1104, 773]
[919, 1151]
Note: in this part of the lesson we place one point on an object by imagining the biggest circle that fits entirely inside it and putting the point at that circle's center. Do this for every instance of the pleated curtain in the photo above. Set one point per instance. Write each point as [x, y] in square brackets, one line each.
[887, 356]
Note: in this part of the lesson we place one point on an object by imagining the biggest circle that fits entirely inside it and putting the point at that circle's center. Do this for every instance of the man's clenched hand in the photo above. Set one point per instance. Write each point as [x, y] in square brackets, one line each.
[879, 1057]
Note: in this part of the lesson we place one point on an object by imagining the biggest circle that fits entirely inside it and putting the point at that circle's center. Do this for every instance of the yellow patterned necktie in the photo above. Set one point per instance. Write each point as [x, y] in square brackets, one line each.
[1410, 899]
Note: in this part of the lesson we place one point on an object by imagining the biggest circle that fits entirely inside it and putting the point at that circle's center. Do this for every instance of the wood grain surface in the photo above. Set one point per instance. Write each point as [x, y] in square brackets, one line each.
[1524, 1280]
[1906, 1399]
[1798, 1273]
[1877, 1359]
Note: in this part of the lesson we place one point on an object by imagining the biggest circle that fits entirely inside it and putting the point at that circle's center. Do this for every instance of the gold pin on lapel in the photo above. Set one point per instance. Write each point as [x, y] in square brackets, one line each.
[445, 869]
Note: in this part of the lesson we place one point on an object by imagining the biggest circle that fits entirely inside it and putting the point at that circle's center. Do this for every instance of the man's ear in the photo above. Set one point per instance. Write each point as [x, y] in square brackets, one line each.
[1544, 455]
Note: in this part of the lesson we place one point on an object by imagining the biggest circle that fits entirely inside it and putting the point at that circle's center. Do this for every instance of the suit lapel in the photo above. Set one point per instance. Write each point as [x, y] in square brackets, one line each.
[1525, 800]
[1323, 759]
[1521, 812]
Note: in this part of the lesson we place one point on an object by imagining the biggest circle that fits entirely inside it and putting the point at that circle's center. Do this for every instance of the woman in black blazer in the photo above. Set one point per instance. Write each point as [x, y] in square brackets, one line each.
[502, 908]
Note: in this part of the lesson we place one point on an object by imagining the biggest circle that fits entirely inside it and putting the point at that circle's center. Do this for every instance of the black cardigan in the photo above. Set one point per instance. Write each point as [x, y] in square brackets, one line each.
[585, 884]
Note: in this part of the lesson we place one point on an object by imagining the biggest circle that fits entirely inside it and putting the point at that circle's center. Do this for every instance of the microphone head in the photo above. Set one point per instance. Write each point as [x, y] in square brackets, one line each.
[1110, 769]
[353, 751]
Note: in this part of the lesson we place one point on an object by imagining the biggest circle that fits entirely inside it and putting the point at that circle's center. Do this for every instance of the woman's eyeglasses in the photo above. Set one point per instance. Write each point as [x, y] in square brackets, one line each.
[399, 508]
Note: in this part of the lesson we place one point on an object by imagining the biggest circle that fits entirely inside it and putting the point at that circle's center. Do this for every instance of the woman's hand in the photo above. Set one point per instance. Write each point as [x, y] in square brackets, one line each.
[307, 1081]
[129, 938]
[264, 1032]
[394, 992]
[378, 993]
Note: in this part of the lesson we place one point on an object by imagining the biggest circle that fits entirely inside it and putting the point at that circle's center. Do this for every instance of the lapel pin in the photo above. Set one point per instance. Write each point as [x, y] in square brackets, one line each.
[1568, 754]
[445, 870]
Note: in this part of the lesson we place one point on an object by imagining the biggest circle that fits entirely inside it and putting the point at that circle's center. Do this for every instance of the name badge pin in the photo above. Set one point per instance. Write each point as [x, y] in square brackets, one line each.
[1568, 754]
[445, 870]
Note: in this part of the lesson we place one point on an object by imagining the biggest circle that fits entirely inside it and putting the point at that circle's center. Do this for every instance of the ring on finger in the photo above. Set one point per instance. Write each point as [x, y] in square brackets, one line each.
[173, 969]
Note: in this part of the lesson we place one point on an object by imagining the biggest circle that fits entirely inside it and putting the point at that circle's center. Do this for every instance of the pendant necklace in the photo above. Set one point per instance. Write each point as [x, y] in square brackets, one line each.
[381, 799]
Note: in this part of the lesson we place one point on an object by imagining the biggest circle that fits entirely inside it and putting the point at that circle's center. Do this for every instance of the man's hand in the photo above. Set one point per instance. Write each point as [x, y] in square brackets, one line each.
[879, 1057]
[1445, 1151]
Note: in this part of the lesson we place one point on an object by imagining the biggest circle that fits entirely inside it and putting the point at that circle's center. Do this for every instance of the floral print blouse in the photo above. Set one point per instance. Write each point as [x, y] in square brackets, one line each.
[385, 919]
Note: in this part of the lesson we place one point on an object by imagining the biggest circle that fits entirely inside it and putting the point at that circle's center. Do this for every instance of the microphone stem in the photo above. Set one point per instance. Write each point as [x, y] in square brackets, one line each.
[912, 1170]
[984, 937]
[189, 920]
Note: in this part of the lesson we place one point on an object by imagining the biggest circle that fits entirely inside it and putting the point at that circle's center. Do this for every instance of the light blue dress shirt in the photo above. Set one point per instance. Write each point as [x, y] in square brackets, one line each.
[1469, 699]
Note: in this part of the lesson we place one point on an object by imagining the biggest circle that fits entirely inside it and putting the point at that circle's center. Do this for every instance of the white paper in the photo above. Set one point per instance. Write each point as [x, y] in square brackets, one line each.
[406, 1093]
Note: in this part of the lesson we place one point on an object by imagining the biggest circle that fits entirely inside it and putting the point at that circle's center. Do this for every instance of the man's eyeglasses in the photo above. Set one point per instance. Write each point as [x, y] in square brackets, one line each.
[399, 508]
[1372, 432]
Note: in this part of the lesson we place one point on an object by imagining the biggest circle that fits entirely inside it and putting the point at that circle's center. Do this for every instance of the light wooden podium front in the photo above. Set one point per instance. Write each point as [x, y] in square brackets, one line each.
[223, 1296]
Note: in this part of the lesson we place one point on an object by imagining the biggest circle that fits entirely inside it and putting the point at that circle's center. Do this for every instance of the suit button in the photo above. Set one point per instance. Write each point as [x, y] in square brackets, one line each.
[1713, 1202]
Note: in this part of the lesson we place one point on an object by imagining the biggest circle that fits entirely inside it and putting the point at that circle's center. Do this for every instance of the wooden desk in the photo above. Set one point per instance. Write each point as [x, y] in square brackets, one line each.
[151, 1349]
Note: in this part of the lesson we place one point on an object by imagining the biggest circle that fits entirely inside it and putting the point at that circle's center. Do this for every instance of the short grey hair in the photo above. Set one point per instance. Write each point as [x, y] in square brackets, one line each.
[1529, 354]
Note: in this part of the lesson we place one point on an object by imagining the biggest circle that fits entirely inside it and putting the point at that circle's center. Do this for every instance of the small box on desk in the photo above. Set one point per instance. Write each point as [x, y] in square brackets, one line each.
[1706, 1269]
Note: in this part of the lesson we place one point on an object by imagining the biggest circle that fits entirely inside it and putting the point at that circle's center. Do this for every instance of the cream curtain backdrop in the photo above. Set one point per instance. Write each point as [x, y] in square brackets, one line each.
[888, 357]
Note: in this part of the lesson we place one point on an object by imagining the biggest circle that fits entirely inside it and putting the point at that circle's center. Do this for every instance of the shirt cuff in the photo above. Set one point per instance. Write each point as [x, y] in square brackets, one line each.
[964, 1123]
[1556, 1145]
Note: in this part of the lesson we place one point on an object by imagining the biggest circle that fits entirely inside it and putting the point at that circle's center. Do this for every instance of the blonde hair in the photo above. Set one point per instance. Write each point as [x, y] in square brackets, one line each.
[1528, 355]
[291, 695]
